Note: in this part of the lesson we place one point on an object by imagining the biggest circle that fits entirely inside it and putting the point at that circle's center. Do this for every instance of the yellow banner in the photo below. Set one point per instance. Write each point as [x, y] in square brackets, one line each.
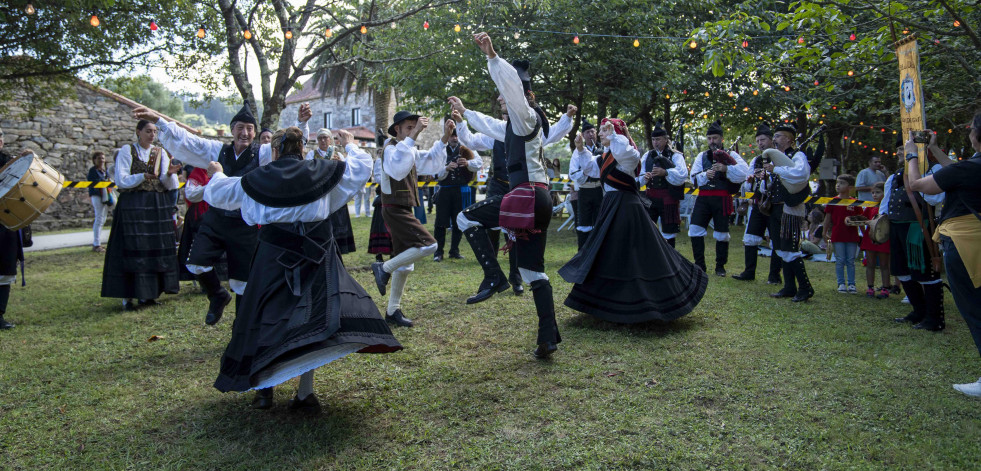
[911, 109]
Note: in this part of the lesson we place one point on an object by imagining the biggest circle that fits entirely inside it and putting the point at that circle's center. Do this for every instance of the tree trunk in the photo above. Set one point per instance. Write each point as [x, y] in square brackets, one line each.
[382, 101]
[602, 103]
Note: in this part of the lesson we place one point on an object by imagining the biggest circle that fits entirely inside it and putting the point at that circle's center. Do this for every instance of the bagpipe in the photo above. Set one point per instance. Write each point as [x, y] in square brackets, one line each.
[779, 159]
[721, 155]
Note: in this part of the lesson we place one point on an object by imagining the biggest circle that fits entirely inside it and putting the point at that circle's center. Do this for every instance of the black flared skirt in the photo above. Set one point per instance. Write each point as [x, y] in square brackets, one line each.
[141, 255]
[192, 222]
[626, 272]
[379, 239]
[301, 310]
[340, 221]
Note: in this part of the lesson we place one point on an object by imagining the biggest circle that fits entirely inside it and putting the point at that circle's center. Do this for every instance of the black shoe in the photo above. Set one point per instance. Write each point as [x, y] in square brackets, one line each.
[744, 276]
[804, 289]
[216, 307]
[803, 295]
[437, 258]
[456, 256]
[518, 289]
[130, 306]
[784, 294]
[310, 404]
[929, 325]
[488, 289]
[545, 350]
[263, 399]
[4, 325]
[398, 319]
[912, 318]
[720, 272]
[381, 276]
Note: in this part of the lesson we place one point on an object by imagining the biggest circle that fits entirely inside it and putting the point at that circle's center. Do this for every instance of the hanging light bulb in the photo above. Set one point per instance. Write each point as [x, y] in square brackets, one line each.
[29, 9]
[153, 26]
[289, 34]
[636, 43]
[94, 21]
[667, 97]
[705, 116]
[800, 40]
[364, 29]
[693, 44]
[392, 24]
[816, 83]
[745, 108]
[852, 37]
[745, 43]
[328, 33]
[957, 24]
[247, 34]
[201, 32]
[706, 93]
[730, 94]
[456, 28]
[905, 31]
[425, 25]
[517, 35]
[786, 88]
[756, 92]
[575, 39]
[851, 73]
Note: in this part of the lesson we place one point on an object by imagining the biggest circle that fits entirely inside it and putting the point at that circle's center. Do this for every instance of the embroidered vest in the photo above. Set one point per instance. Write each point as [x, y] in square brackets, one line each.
[613, 176]
[138, 166]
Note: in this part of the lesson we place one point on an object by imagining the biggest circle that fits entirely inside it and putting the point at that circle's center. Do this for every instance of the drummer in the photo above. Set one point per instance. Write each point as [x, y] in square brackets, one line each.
[11, 251]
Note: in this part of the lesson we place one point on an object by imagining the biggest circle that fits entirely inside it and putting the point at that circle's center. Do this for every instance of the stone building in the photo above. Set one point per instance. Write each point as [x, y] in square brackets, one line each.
[65, 136]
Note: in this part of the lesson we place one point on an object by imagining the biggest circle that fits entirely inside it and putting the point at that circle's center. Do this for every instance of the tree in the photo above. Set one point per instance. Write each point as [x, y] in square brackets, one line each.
[146, 91]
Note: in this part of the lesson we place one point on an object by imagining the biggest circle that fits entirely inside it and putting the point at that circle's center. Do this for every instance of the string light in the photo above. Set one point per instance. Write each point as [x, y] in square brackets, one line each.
[851, 73]
[201, 32]
[756, 92]
[393, 25]
[957, 24]
[852, 37]
[800, 40]
[425, 25]
[289, 34]
[636, 43]
[94, 21]
[456, 28]
[153, 26]
[816, 83]
[247, 34]
[328, 33]
[706, 93]
[575, 40]
[667, 97]
[786, 88]
[730, 94]
[364, 29]
[693, 44]
[745, 43]
[29, 9]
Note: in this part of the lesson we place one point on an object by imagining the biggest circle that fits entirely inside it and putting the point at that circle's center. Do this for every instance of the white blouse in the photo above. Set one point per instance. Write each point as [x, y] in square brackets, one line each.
[124, 161]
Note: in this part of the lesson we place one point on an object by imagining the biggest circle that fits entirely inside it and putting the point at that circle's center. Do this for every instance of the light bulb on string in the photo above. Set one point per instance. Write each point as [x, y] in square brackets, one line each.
[364, 29]
[153, 26]
[800, 40]
[706, 93]
[786, 88]
[852, 37]
[328, 33]
[745, 44]
[393, 25]
[693, 44]
[575, 39]
[667, 97]
[289, 34]
[29, 9]
[425, 25]
[851, 73]
[247, 34]
[730, 94]
[636, 43]
[94, 21]
[456, 28]
[201, 32]
[957, 24]
[517, 35]
[756, 92]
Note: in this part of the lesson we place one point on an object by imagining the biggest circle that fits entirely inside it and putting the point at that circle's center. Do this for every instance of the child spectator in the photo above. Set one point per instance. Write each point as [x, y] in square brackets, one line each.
[876, 255]
[843, 237]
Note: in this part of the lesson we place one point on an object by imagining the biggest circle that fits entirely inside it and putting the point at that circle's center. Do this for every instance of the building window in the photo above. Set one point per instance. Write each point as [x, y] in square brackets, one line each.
[328, 121]
[356, 117]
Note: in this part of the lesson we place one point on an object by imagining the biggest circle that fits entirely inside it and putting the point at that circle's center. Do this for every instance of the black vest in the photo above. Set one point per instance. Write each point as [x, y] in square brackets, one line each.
[517, 156]
[779, 193]
[900, 208]
[720, 182]
[232, 167]
[499, 161]
[655, 159]
[459, 175]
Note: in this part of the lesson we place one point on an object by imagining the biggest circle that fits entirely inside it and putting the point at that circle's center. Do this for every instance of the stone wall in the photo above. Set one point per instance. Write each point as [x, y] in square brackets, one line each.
[65, 137]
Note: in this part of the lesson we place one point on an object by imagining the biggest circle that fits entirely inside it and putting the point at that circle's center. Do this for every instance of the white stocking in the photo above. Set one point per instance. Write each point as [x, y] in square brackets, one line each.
[398, 287]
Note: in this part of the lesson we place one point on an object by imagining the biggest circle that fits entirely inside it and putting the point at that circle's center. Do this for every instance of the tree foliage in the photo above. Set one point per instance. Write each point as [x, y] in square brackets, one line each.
[146, 91]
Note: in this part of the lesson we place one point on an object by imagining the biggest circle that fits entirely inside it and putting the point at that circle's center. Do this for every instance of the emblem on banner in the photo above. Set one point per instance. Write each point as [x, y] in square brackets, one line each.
[908, 92]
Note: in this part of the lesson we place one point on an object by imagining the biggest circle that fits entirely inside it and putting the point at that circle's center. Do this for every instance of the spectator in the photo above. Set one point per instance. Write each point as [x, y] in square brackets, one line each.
[814, 243]
[960, 230]
[102, 198]
[876, 255]
[868, 177]
[843, 237]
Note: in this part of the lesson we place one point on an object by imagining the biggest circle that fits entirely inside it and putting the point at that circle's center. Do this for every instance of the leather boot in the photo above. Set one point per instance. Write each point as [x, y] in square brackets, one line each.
[4, 297]
[548, 329]
[439, 234]
[914, 291]
[749, 274]
[494, 279]
[933, 295]
[495, 238]
[789, 289]
[455, 237]
[263, 399]
[775, 266]
[804, 289]
[721, 257]
[514, 276]
[698, 252]
[218, 296]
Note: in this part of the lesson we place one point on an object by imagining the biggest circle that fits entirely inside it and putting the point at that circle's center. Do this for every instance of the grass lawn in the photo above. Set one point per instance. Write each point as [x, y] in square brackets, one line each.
[743, 382]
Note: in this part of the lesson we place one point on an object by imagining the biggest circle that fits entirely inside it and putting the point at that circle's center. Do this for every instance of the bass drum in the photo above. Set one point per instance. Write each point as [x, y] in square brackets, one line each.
[879, 229]
[28, 186]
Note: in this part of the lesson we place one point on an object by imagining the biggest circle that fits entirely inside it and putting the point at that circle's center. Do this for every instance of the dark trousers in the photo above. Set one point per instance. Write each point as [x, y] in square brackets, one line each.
[966, 296]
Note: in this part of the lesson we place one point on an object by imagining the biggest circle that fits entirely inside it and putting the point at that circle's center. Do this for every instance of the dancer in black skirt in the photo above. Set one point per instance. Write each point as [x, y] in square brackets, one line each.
[301, 309]
[141, 257]
[626, 272]
[197, 179]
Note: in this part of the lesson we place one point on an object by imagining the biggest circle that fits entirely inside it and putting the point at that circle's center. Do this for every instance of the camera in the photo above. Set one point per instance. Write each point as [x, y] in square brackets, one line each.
[921, 137]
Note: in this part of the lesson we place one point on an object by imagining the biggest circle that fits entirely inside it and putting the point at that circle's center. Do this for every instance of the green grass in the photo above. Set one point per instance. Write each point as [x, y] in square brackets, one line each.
[743, 382]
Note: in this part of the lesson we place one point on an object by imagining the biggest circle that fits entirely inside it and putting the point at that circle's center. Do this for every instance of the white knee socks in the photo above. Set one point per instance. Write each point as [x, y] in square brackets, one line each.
[398, 286]
[408, 257]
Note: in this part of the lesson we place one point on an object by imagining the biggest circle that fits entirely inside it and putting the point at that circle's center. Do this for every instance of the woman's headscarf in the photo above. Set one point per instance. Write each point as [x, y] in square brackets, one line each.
[619, 127]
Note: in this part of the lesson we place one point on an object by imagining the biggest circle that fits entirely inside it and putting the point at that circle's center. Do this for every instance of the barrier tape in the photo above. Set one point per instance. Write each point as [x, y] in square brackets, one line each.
[822, 200]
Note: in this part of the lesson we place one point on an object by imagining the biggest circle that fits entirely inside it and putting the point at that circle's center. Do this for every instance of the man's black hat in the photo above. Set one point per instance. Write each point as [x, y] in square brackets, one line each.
[244, 115]
[715, 128]
[399, 117]
[787, 127]
[522, 67]
[764, 130]
[586, 126]
[659, 129]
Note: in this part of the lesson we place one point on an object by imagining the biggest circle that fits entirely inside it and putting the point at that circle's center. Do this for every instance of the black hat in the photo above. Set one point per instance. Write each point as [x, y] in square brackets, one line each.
[586, 126]
[764, 130]
[522, 67]
[399, 117]
[787, 127]
[266, 130]
[244, 115]
[715, 128]
[659, 129]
